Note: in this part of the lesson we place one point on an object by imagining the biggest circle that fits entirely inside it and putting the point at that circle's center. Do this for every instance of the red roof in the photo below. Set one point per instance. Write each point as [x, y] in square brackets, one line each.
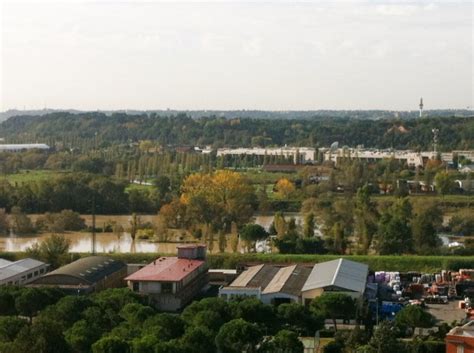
[171, 269]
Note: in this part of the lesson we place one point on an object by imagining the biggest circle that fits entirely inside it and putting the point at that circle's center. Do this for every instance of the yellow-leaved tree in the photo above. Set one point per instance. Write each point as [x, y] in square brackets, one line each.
[284, 188]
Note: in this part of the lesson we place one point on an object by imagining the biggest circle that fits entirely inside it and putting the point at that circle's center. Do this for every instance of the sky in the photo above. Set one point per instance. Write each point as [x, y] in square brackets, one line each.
[222, 55]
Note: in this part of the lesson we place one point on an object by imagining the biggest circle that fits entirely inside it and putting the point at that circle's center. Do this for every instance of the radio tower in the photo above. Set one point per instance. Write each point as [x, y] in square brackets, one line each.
[421, 107]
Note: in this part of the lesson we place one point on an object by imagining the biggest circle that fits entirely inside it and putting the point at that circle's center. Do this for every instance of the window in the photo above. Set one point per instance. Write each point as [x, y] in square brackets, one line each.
[30, 275]
[166, 287]
[42, 270]
[460, 348]
[136, 286]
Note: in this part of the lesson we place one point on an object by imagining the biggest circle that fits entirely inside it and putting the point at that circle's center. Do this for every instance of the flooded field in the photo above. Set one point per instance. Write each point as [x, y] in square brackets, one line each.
[110, 242]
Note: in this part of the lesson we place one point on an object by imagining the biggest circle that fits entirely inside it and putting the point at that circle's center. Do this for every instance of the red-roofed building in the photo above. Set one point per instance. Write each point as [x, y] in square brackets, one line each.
[461, 339]
[172, 282]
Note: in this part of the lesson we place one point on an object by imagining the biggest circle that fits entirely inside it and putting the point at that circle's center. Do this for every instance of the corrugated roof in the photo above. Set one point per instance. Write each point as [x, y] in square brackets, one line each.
[273, 279]
[89, 269]
[279, 280]
[263, 277]
[4, 262]
[245, 277]
[342, 273]
[14, 268]
[169, 269]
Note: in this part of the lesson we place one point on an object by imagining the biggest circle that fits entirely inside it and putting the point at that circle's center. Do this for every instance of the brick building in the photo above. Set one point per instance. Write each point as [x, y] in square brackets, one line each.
[461, 339]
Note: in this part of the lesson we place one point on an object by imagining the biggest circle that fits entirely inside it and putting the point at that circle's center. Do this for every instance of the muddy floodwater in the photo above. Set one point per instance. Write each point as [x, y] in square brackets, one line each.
[110, 242]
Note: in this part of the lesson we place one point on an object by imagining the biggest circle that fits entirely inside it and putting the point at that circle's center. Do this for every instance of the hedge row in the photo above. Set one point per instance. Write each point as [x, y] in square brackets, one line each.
[376, 263]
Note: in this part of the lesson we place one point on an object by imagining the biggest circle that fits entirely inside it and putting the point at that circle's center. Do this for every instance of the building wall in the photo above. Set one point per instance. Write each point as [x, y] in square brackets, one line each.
[26, 276]
[311, 294]
[181, 293]
[114, 280]
[270, 298]
[454, 344]
[228, 293]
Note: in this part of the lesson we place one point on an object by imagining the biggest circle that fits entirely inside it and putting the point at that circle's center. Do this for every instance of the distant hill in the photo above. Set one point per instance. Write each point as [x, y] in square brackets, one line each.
[83, 130]
[258, 114]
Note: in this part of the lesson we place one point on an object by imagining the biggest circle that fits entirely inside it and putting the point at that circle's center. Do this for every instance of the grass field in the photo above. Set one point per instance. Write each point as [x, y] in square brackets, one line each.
[27, 176]
[406, 263]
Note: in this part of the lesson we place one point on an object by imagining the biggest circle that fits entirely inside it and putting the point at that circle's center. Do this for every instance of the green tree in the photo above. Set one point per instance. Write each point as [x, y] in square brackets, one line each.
[251, 233]
[10, 326]
[82, 335]
[53, 250]
[365, 219]
[284, 341]
[394, 229]
[334, 306]
[237, 336]
[309, 225]
[424, 226]
[20, 222]
[4, 222]
[31, 301]
[299, 318]
[384, 340]
[43, 336]
[414, 316]
[444, 183]
[198, 339]
[110, 345]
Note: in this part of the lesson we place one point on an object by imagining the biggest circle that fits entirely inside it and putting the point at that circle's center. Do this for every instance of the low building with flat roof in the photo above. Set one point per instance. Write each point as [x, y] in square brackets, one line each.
[340, 276]
[21, 272]
[86, 275]
[172, 282]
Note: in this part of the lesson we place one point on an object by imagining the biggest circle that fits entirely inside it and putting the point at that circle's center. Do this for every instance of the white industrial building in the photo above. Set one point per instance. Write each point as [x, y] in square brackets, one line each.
[411, 158]
[21, 272]
[340, 276]
[298, 283]
[298, 154]
[23, 147]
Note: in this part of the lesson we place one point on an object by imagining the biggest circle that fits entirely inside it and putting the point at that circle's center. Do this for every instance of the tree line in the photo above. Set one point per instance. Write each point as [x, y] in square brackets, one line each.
[97, 130]
[119, 321]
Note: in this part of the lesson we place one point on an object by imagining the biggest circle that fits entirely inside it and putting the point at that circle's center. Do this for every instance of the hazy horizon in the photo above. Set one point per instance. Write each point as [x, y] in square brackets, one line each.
[224, 55]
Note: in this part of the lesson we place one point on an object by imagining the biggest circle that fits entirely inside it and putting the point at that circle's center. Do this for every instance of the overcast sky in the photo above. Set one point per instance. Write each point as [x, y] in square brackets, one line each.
[377, 54]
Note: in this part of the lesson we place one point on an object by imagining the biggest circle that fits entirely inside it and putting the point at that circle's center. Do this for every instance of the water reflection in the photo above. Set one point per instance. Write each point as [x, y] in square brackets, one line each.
[109, 242]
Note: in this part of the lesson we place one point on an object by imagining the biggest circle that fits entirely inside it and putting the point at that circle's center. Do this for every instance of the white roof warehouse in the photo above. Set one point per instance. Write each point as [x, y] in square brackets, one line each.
[23, 147]
[21, 272]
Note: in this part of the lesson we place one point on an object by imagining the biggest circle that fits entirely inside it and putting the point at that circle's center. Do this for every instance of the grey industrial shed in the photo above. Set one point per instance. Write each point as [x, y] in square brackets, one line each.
[85, 275]
[339, 275]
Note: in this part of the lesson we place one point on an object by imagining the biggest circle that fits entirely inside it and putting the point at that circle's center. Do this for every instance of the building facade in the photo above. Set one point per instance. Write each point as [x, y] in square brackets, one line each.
[172, 282]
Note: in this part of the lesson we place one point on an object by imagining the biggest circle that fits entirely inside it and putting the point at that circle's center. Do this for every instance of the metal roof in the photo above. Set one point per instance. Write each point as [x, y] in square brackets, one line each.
[88, 270]
[168, 269]
[245, 277]
[4, 262]
[341, 273]
[273, 279]
[289, 280]
[15, 268]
